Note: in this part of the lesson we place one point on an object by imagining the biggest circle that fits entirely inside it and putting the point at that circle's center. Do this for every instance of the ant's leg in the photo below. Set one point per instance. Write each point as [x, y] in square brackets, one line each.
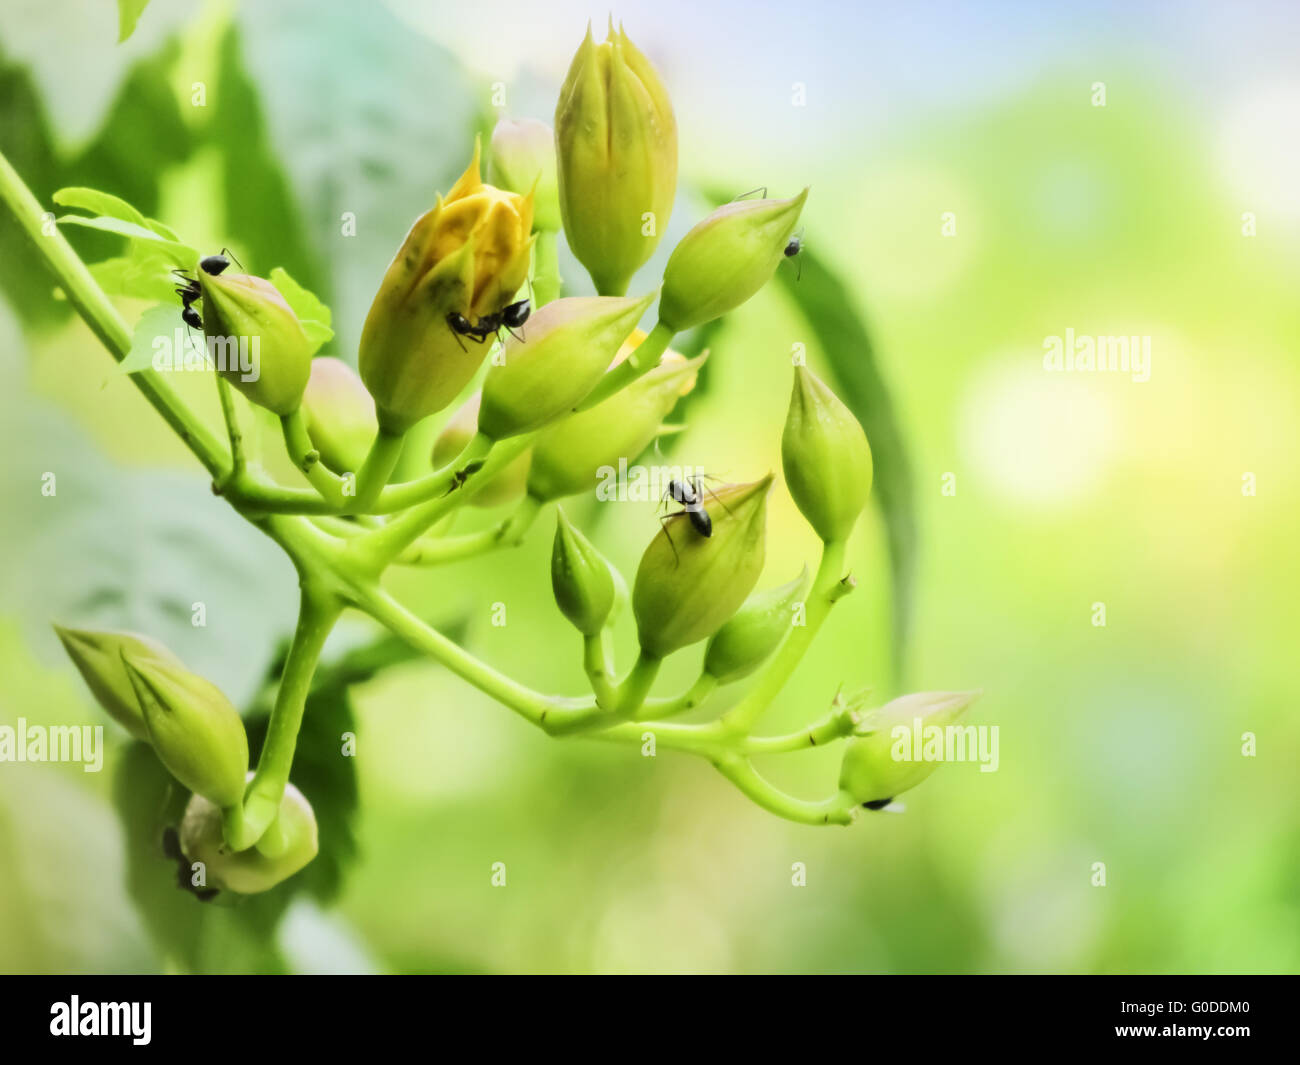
[715, 496]
[663, 524]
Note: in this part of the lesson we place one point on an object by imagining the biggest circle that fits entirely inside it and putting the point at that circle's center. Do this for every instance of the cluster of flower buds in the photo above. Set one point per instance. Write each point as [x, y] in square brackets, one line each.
[199, 736]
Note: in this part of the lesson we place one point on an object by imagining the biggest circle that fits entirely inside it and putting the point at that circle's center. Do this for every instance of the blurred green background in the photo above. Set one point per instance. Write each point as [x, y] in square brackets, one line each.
[1119, 744]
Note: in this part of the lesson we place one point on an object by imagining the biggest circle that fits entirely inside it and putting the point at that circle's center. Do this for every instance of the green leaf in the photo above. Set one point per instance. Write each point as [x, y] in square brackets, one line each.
[157, 323]
[128, 14]
[181, 254]
[351, 82]
[829, 307]
[313, 314]
[141, 277]
[100, 203]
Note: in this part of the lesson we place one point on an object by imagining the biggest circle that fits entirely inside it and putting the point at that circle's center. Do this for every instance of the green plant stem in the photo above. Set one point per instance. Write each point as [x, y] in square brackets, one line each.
[429, 551]
[839, 809]
[101, 316]
[383, 545]
[304, 455]
[693, 697]
[317, 614]
[634, 688]
[546, 269]
[226, 394]
[598, 661]
[643, 359]
[377, 468]
[829, 585]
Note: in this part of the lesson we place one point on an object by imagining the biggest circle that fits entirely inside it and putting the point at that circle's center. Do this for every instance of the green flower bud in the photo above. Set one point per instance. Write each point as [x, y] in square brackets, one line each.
[571, 455]
[258, 343]
[726, 259]
[508, 485]
[340, 414]
[881, 760]
[197, 733]
[98, 657]
[467, 256]
[523, 160]
[581, 579]
[688, 585]
[547, 372]
[826, 458]
[753, 632]
[251, 871]
[616, 142]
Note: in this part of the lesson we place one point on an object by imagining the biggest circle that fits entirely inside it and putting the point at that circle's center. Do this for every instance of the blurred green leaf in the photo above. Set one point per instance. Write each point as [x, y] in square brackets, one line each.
[128, 14]
[367, 136]
[105, 203]
[160, 321]
[311, 312]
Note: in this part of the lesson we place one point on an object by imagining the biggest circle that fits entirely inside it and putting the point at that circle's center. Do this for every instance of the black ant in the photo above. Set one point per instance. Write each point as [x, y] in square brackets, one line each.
[511, 317]
[189, 290]
[459, 478]
[690, 496]
[171, 844]
[792, 249]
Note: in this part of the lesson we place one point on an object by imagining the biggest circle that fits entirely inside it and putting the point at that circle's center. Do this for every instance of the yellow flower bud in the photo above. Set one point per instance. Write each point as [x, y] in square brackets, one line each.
[882, 761]
[726, 259]
[549, 370]
[688, 585]
[826, 458]
[581, 579]
[616, 142]
[467, 256]
[569, 456]
[98, 657]
[753, 632]
[508, 485]
[523, 161]
[258, 343]
[251, 871]
[340, 414]
[193, 727]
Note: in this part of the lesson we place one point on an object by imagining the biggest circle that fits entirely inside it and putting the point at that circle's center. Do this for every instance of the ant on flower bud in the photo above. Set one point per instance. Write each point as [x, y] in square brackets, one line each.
[509, 318]
[189, 290]
[171, 845]
[689, 494]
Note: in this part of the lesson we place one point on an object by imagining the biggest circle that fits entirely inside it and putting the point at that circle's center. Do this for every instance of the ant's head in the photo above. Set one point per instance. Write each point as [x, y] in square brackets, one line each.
[792, 249]
[213, 264]
[459, 323]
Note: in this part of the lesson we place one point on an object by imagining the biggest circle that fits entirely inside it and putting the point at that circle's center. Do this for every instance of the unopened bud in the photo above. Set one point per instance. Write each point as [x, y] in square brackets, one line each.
[340, 414]
[251, 871]
[523, 160]
[688, 584]
[616, 142]
[580, 578]
[564, 351]
[195, 730]
[726, 259]
[571, 455]
[753, 632]
[826, 458]
[256, 340]
[98, 657]
[886, 757]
